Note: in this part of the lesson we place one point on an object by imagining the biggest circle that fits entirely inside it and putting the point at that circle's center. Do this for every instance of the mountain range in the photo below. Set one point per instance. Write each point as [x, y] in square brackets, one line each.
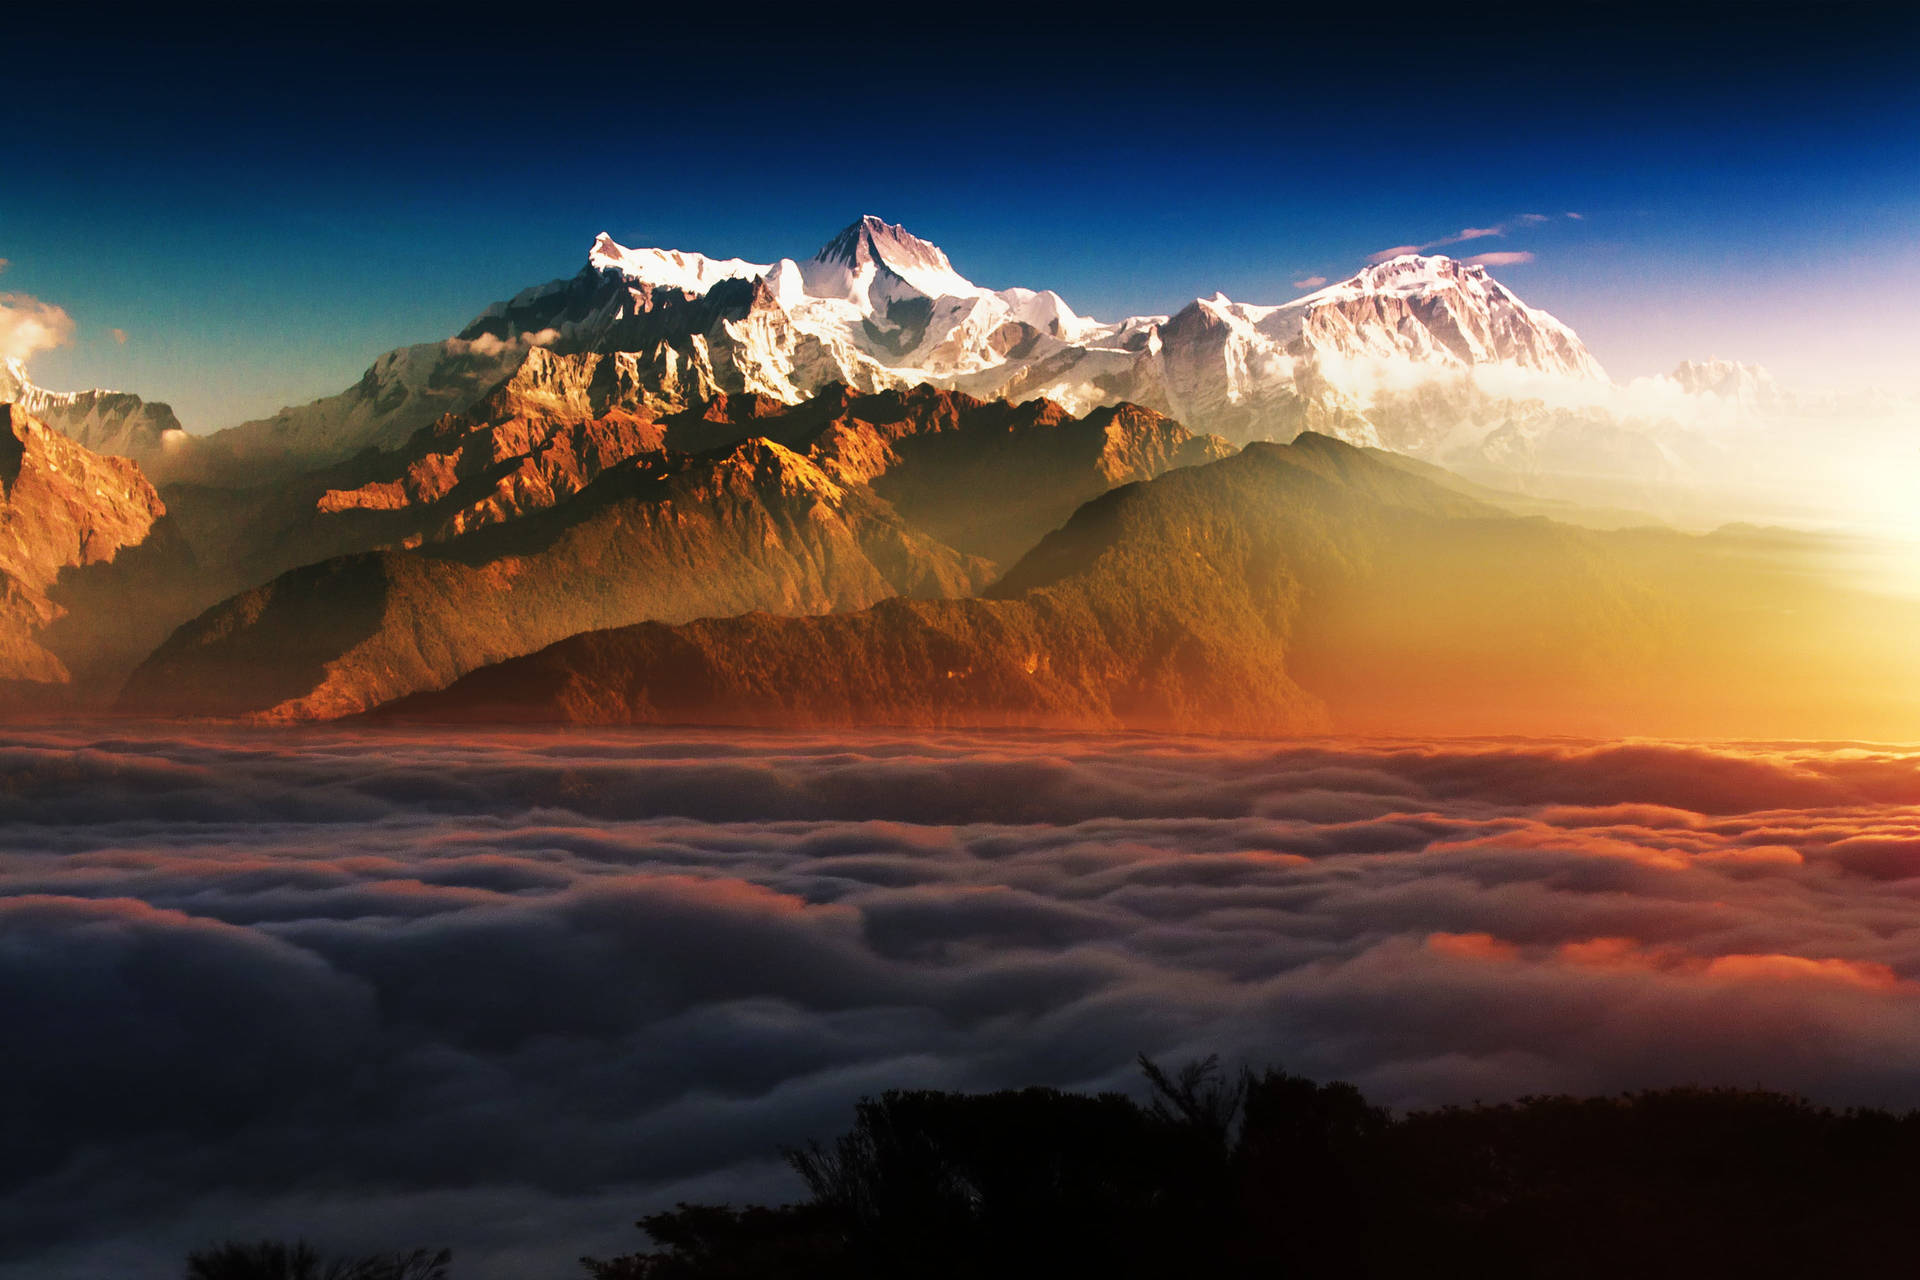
[746, 504]
[859, 487]
[1421, 354]
[110, 422]
[877, 307]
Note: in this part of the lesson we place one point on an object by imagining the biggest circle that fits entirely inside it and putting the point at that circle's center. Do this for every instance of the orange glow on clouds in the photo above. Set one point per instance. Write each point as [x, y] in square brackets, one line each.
[1619, 953]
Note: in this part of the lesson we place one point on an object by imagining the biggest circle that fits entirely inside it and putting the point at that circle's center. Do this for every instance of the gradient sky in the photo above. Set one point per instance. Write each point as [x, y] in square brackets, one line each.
[263, 204]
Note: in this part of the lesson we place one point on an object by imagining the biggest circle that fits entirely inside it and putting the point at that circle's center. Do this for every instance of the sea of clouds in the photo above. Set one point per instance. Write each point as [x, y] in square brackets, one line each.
[507, 992]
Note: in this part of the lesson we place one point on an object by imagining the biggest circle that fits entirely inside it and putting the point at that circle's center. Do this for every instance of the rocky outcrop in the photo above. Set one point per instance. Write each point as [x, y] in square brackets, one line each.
[67, 514]
[542, 436]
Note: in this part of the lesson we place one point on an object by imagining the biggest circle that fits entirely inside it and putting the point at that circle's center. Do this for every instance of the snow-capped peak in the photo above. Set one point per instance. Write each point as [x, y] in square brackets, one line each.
[17, 386]
[848, 265]
[1047, 311]
[669, 268]
[1730, 378]
[1409, 275]
[100, 419]
[1438, 309]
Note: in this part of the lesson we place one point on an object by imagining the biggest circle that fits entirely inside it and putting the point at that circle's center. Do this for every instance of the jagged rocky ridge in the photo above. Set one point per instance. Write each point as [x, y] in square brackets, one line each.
[1421, 354]
[83, 542]
[117, 423]
[499, 537]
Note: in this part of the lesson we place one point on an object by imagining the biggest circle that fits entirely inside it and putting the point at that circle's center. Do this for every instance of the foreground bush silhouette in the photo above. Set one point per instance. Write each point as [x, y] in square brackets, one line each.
[1273, 1175]
[277, 1260]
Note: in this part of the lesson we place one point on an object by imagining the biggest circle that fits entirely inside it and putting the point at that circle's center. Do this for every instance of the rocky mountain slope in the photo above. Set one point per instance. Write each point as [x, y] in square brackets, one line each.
[666, 536]
[533, 442]
[1285, 589]
[77, 533]
[988, 478]
[544, 435]
[501, 537]
[1169, 605]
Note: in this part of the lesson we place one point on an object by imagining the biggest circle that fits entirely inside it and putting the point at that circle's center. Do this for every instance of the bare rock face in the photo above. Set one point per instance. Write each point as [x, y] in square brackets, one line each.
[552, 428]
[63, 511]
[497, 473]
[989, 478]
[536, 439]
[542, 436]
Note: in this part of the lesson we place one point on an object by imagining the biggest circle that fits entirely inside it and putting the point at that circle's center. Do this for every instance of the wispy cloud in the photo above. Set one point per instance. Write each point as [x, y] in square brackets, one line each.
[1506, 259]
[28, 325]
[1309, 282]
[119, 336]
[1467, 233]
[1475, 233]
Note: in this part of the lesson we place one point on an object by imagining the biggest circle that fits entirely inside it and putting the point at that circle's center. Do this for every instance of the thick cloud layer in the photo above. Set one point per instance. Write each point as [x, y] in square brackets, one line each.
[508, 992]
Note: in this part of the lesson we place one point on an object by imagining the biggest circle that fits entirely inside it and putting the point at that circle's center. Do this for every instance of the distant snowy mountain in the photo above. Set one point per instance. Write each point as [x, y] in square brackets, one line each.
[1421, 354]
[1438, 311]
[404, 390]
[1743, 384]
[1328, 360]
[117, 423]
[879, 307]
[67, 514]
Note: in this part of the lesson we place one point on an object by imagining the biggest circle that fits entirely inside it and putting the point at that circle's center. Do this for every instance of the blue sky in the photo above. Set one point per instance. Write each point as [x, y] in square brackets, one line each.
[262, 205]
